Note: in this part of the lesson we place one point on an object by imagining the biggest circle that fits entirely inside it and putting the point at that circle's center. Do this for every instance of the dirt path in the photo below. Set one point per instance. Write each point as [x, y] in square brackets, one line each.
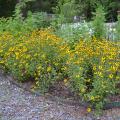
[17, 104]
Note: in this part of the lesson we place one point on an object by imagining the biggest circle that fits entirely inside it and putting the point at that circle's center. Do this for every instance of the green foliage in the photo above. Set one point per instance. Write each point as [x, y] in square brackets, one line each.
[118, 28]
[38, 55]
[67, 9]
[57, 21]
[90, 67]
[86, 7]
[73, 33]
[20, 6]
[18, 23]
[98, 23]
[33, 21]
[84, 31]
[36, 20]
[94, 70]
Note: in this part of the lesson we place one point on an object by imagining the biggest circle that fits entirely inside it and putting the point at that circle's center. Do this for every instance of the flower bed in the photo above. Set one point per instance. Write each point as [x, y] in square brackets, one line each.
[89, 68]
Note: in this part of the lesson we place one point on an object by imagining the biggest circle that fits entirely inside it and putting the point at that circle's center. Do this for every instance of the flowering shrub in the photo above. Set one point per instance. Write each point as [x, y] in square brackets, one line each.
[37, 55]
[94, 70]
[90, 68]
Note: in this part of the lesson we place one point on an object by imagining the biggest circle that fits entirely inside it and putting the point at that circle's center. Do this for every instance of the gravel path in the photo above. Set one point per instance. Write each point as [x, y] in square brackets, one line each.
[17, 104]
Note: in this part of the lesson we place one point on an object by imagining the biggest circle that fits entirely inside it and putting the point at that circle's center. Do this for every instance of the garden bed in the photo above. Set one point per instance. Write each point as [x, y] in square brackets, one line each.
[16, 103]
[84, 71]
[62, 95]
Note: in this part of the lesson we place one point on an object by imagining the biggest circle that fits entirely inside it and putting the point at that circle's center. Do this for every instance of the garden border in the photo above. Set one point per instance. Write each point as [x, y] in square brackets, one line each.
[60, 100]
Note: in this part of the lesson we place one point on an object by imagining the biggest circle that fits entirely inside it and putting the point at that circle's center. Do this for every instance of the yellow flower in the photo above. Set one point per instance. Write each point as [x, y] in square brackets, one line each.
[11, 49]
[117, 64]
[49, 69]
[56, 64]
[24, 49]
[43, 56]
[63, 68]
[39, 67]
[113, 68]
[111, 76]
[103, 59]
[89, 109]
[35, 74]
[1, 62]
[77, 76]
[110, 57]
[100, 74]
[17, 55]
[94, 67]
[65, 80]
[92, 98]
[1, 51]
[83, 90]
[81, 68]
[100, 67]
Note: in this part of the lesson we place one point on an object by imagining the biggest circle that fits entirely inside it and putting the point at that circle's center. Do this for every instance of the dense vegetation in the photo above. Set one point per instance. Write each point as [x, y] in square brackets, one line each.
[83, 7]
[49, 51]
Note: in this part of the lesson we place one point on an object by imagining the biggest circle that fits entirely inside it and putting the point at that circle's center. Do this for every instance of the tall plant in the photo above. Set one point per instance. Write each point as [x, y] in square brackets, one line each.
[66, 8]
[99, 23]
[19, 8]
[118, 28]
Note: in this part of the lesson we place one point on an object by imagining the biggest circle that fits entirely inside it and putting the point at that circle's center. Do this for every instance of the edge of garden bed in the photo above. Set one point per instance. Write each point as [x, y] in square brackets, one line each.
[62, 100]
[57, 99]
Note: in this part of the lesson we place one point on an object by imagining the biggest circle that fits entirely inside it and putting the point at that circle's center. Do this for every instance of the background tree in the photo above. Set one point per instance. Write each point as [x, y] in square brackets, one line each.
[7, 7]
[86, 7]
[67, 9]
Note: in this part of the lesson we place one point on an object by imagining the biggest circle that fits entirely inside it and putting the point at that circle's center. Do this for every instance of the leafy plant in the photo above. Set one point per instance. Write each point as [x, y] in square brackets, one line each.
[65, 11]
[93, 70]
[89, 67]
[19, 23]
[73, 33]
[37, 56]
[118, 28]
[99, 23]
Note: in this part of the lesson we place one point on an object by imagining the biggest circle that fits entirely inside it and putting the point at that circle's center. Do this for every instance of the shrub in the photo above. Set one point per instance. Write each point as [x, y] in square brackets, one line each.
[31, 22]
[94, 70]
[37, 55]
[73, 33]
[118, 28]
[98, 23]
[91, 68]
[20, 23]
[66, 9]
